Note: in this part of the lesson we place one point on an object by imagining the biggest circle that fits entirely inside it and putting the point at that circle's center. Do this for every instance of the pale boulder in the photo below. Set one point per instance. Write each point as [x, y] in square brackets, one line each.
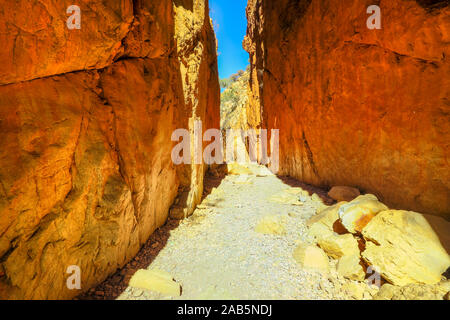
[413, 292]
[350, 267]
[311, 258]
[342, 193]
[318, 231]
[322, 223]
[156, 280]
[286, 197]
[326, 217]
[404, 248]
[354, 290]
[356, 214]
[272, 224]
[337, 246]
[238, 169]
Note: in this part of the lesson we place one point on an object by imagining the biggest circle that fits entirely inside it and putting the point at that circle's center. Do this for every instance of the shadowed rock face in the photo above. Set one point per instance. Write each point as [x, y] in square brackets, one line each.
[86, 118]
[356, 107]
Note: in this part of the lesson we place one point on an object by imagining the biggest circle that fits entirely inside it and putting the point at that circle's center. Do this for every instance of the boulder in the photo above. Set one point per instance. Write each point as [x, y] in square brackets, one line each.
[311, 258]
[272, 224]
[238, 169]
[404, 248]
[356, 214]
[286, 197]
[342, 193]
[350, 267]
[318, 230]
[326, 217]
[354, 290]
[337, 246]
[156, 280]
[413, 292]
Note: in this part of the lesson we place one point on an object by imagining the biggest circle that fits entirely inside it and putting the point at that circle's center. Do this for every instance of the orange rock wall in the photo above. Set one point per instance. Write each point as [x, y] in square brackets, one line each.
[357, 107]
[86, 118]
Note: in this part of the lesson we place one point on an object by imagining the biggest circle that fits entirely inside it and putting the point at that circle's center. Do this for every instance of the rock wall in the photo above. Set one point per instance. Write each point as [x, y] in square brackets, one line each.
[234, 102]
[357, 107]
[86, 118]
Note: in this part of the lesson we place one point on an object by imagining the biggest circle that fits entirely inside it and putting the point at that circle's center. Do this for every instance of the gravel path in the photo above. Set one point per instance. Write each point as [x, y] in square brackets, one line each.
[217, 254]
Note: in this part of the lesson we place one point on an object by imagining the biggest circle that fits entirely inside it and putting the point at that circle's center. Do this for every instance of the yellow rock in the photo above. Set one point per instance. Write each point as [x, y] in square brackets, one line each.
[272, 224]
[356, 214]
[350, 267]
[337, 246]
[404, 248]
[285, 197]
[155, 280]
[318, 230]
[311, 258]
[326, 217]
[342, 193]
[413, 292]
[355, 290]
[238, 169]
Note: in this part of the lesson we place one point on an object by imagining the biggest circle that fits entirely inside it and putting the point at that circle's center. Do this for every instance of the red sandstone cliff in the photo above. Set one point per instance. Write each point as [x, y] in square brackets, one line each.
[86, 118]
[357, 107]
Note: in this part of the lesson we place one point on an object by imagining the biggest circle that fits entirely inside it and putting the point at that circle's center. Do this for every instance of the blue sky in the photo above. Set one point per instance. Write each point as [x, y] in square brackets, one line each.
[230, 24]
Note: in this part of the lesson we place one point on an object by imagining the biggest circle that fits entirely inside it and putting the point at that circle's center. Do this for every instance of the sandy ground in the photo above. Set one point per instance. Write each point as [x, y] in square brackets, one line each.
[217, 254]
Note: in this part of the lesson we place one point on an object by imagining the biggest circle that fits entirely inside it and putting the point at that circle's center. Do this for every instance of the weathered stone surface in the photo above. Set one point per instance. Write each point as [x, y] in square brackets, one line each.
[326, 217]
[349, 266]
[85, 157]
[37, 43]
[272, 224]
[342, 193]
[356, 214]
[404, 248]
[356, 107]
[286, 197]
[413, 292]
[338, 245]
[311, 257]
[354, 290]
[156, 280]
[237, 169]
[196, 52]
[234, 103]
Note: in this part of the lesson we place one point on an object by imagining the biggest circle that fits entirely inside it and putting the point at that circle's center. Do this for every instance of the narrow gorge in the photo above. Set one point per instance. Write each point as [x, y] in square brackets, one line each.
[92, 94]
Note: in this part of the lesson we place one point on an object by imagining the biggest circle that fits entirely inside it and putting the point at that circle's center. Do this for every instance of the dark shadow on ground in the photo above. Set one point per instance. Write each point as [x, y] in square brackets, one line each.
[213, 178]
[116, 284]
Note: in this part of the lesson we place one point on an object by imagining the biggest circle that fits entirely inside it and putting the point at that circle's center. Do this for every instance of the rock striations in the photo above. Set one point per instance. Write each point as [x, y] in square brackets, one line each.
[355, 106]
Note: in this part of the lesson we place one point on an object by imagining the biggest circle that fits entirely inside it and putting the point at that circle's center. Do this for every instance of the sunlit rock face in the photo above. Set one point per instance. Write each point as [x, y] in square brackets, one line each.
[86, 118]
[234, 102]
[357, 107]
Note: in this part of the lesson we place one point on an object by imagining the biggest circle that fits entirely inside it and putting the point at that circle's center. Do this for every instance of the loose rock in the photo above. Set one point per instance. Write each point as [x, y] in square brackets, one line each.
[155, 280]
[404, 248]
[356, 214]
[342, 193]
[350, 267]
[311, 257]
